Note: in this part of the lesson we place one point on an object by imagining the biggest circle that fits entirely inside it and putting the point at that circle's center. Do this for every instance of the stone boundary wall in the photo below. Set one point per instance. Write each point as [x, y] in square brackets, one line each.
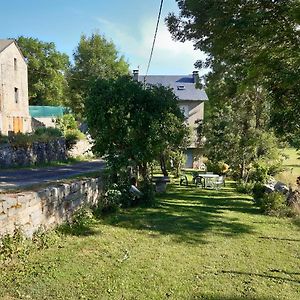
[46, 208]
[39, 152]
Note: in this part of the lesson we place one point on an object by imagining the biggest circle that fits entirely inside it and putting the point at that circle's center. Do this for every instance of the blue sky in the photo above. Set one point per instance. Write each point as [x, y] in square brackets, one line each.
[129, 24]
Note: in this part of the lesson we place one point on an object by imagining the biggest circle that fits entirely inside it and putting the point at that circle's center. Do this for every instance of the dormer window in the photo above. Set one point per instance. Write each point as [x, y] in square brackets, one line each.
[180, 87]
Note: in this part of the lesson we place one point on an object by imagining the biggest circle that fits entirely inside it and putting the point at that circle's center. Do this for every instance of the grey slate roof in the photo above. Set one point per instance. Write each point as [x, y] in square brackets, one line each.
[173, 81]
[4, 44]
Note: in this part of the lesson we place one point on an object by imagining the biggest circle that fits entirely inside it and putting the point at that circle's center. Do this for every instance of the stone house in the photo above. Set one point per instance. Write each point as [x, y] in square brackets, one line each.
[190, 100]
[14, 106]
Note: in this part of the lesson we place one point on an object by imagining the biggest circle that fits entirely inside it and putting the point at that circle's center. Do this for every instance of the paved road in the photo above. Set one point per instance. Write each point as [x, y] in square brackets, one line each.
[14, 179]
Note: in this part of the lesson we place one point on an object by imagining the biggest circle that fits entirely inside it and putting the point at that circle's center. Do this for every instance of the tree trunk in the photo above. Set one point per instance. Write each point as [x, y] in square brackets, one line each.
[163, 165]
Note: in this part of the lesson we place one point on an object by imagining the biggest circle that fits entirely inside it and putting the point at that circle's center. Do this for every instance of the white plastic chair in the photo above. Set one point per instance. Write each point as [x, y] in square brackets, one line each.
[219, 182]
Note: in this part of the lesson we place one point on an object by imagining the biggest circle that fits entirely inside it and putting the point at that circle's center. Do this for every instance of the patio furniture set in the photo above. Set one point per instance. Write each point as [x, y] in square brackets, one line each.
[206, 180]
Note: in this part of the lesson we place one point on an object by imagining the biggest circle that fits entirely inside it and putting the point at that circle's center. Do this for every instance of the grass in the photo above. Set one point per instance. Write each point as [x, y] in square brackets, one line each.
[195, 244]
[292, 167]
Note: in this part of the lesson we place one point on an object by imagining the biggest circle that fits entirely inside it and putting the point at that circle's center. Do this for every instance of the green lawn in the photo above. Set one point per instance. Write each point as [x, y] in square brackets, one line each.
[196, 244]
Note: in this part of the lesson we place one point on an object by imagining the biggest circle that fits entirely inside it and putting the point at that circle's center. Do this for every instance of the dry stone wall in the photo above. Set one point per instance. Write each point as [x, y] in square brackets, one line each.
[39, 152]
[46, 208]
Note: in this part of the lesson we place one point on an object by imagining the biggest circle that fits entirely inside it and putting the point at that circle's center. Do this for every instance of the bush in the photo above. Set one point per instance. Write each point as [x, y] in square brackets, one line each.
[244, 187]
[80, 222]
[14, 247]
[273, 202]
[258, 193]
[48, 132]
[72, 137]
[147, 189]
[111, 199]
[21, 140]
[66, 122]
[220, 167]
[3, 139]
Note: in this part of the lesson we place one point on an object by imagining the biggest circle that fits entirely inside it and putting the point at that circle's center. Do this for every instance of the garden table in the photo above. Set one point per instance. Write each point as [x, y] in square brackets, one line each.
[209, 179]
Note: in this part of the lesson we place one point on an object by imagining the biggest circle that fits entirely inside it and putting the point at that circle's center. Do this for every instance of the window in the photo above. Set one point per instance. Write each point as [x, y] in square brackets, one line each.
[180, 87]
[16, 95]
[15, 64]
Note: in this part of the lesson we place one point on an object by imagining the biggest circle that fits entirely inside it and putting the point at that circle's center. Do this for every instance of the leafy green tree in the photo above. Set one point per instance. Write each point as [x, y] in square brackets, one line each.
[94, 58]
[235, 139]
[46, 71]
[131, 125]
[249, 43]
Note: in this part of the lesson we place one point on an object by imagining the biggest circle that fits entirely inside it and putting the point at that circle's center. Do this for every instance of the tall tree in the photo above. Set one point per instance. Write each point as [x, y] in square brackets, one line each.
[132, 125]
[46, 71]
[94, 58]
[249, 43]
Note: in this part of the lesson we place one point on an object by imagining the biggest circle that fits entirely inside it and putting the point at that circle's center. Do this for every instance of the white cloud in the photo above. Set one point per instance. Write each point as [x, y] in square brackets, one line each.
[169, 57]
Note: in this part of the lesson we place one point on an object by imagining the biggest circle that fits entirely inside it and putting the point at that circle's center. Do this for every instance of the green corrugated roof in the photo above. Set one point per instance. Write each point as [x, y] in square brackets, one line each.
[47, 111]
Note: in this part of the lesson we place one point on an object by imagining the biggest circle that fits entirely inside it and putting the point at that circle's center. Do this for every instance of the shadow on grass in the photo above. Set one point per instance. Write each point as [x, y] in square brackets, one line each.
[267, 276]
[220, 297]
[68, 229]
[186, 214]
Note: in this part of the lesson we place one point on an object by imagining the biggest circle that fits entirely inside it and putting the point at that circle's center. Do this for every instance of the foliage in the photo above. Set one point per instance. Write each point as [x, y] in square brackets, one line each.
[245, 187]
[259, 192]
[68, 125]
[48, 131]
[14, 247]
[147, 189]
[21, 140]
[131, 125]
[3, 139]
[80, 222]
[218, 167]
[94, 58]
[273, 202]
[43, 238]
[66, 122]
[248, 44]
[47, 84]
[234, 137]
[25, 140]
[72, 137]
[111, 200]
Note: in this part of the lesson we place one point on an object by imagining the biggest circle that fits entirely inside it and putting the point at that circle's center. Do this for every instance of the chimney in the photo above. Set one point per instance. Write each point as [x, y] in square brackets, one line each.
[196, 77]
[135, 75]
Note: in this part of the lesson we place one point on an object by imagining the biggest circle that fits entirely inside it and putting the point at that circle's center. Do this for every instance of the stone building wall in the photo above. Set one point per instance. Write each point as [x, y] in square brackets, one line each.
[39, 152]
[14, 106]
[46, 208]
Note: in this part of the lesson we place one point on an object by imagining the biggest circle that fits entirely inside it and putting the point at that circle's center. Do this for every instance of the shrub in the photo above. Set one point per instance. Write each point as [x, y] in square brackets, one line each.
[258, 193]
[3, 139]
[244, 187]
[20, 140]
[72, 137]
[220, 167]
[66, 122]
[14, 246]
[273, 202]
[147, 189]
[80, 222]
[43, 239]
[48, 132]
